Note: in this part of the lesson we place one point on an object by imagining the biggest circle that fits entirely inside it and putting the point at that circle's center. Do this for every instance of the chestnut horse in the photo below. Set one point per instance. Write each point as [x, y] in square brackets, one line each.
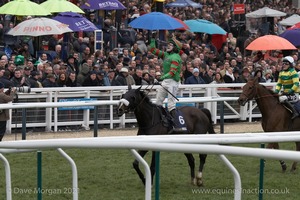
[151, 121]
[275, 117]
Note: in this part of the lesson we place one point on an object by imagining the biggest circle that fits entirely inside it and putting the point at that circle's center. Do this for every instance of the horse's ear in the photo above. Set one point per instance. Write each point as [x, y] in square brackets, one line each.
[139, 88]
[255, 80]
[129, 87]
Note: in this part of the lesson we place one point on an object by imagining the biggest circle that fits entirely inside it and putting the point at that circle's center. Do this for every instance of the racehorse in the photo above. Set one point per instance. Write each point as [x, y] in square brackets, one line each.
[275, 117]
[150, 119]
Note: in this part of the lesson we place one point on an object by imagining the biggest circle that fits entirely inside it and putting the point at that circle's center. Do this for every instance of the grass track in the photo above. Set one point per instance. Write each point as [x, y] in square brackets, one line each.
[108, 175]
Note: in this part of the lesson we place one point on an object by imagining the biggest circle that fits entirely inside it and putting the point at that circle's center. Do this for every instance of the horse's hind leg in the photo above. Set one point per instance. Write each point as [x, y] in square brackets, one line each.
[191, 162]
[276, 146]
[201, 166]
[294, 166]
[136, 166]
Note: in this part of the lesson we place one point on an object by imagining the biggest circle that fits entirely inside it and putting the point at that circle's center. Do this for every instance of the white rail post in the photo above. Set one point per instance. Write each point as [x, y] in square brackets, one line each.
[75, 188]
[7, 177]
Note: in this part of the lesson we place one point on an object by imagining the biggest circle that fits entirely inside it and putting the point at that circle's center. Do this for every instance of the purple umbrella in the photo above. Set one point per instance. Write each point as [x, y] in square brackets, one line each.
[103, 5]
[75, 21]
[184, 3]
[292, 36]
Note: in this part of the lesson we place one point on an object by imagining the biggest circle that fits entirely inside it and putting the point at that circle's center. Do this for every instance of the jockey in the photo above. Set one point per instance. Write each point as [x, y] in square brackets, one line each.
[288, 80]
[171, 74]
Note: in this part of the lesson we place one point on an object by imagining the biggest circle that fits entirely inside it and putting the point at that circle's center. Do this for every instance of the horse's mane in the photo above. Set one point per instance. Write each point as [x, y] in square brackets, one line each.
[146, 98]
[271, 92]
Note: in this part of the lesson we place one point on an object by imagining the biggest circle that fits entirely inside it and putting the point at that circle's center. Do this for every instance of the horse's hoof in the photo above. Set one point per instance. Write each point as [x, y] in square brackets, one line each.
[283, 167]
[194, 181]
[200, 182]
[293, 169]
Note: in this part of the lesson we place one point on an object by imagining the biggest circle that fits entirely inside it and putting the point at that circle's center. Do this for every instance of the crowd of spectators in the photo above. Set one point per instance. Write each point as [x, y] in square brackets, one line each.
[132, 64]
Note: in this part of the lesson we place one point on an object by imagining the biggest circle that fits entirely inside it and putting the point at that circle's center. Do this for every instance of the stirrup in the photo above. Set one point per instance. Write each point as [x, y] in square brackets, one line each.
[181, 130]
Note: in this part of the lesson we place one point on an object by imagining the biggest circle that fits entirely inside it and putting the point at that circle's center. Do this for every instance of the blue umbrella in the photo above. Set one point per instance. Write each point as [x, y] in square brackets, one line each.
[103, 5]
[183, 3]
[292, 36]
[156, 21]
[204, 26]
[75, 21]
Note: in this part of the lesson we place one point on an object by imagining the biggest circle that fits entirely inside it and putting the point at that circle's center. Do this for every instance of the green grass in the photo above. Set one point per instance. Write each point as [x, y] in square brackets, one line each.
[108, 174]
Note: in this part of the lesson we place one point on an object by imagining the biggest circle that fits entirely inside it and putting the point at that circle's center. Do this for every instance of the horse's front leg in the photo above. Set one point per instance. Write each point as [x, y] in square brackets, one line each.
[199, 177]
[276, 146]
[294, 166]
[191, 162]
[136, 166]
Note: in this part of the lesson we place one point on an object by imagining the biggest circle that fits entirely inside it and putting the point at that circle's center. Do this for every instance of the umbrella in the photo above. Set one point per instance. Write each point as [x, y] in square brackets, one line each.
[292, 36]
[184, 28]
[38, 27]
[75, 21]
[183, 4]
[265, 12]
[270, 42]
[103, 5]
[297, 25]
[156, 21]
[290, 21]
[23, 8]
[204, 26]
[57, 6]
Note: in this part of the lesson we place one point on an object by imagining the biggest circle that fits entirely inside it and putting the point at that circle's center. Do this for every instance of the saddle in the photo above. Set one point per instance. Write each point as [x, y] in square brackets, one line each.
[176, 123]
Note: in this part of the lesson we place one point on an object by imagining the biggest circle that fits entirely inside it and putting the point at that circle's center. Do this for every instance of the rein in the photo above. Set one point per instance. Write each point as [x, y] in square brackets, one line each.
[256, 97]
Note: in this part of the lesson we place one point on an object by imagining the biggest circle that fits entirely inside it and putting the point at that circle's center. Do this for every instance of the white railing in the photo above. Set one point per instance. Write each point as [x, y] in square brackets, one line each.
[50, 117]
[174, 143]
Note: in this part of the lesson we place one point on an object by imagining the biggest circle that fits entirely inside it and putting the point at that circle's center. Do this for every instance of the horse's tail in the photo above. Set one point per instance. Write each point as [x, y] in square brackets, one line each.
[207, 112]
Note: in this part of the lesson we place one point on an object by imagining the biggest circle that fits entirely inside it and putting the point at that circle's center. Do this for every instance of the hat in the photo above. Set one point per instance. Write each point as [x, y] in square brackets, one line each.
[157, 74]
[289, 59]
[71, 56]
[93, 72]
[195, 70]
[34, 73]
[236, 70]
[115, 49]
[101, 73]
[1, 85]
[126, 60]
[19, 60]
[177, 44]
[245, 69]
[111, 70]
[27, 68]
[50, 76]
[124, 69]
[36, 63]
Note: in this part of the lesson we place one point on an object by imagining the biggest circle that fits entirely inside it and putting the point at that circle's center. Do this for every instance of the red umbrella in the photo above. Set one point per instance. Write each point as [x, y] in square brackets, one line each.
[270, 42]
[294, 26]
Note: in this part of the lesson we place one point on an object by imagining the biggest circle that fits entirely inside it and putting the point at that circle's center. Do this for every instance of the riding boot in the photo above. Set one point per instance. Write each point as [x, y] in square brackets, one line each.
[292, 109]
[176, 128]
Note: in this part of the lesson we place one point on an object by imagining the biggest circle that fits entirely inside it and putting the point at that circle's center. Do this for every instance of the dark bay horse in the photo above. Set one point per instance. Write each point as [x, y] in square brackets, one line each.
[275, 117]
[150, 122]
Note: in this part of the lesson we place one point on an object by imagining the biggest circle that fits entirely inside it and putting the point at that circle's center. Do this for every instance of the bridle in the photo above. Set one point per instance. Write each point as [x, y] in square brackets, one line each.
[255, 93]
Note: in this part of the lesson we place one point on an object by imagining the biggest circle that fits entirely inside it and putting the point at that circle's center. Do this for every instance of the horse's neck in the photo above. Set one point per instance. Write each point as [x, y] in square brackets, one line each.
[144, 113]
[266, 101]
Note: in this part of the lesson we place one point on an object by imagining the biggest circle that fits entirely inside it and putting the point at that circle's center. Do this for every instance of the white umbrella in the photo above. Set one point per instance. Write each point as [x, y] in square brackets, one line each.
[38, 27]
[290, 21]
[265, 12]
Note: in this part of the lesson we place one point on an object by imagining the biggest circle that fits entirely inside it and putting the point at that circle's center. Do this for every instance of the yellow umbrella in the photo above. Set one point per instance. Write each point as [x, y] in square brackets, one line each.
[23, 8]
[57, 6]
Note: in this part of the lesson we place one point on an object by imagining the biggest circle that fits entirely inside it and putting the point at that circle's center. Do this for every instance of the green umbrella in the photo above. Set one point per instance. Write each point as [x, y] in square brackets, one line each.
[57, 6]
[23, 8]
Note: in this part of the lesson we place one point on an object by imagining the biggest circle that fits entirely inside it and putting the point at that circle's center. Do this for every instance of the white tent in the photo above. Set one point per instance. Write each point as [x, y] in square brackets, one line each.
[290, 21]
[265, 12]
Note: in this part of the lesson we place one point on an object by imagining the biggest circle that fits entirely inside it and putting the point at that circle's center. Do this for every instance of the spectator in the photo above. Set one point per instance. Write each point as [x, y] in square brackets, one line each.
[34, 80]
[19, 80]
[91, 79]
[50, 81]
[121, 78]
[62, 80]
[72, 81]
[243, 78]
[84, 72]
[195, 78]
[4, 114]
[218, 79]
